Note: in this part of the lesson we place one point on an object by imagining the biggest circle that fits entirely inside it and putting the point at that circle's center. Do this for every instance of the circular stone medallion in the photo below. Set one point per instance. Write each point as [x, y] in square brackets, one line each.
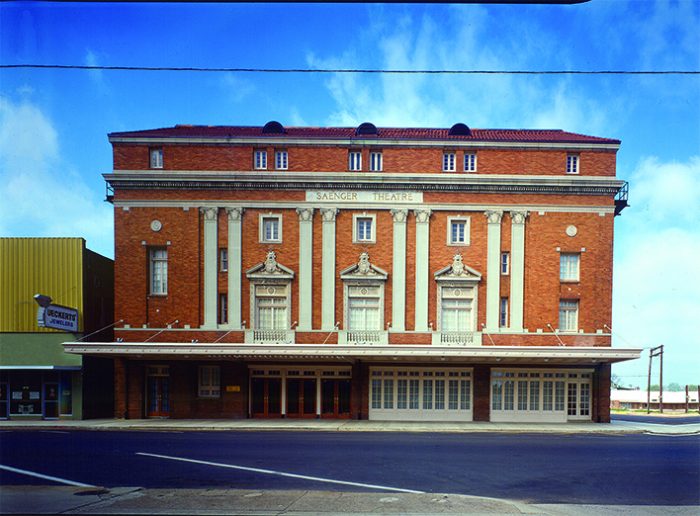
[571, 230]
[156, 225]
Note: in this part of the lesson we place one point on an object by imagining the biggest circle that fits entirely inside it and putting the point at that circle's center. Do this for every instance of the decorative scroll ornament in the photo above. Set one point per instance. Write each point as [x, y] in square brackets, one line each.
[329, 214]
[494, 217]
[305, 214]
[399, 215]
[422, 216]
[518, 217]
[234, 214]
[271, 262]
[209, 213]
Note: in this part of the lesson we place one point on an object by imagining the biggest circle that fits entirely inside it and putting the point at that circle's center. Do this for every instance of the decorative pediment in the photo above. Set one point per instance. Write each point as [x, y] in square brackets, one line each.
[457, 271]
[270, 269]
[363, 270]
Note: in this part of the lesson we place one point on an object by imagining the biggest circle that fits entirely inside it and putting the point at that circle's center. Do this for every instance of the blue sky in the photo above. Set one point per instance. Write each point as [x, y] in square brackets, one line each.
[54, 124]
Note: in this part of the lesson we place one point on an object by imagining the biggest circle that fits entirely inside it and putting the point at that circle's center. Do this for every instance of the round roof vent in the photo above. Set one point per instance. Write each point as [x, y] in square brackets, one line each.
[460, 129]
[273, 127]
[366, 128]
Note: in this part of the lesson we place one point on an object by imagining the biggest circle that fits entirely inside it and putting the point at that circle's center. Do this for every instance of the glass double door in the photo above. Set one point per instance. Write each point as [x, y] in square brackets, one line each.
[301, 397]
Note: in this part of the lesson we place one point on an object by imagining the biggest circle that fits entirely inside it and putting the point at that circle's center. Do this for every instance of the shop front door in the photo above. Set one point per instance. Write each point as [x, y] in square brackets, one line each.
[266, 397]
[50, 400]
[158, 396]
[335, 398]
[4, 400]
[301, 397]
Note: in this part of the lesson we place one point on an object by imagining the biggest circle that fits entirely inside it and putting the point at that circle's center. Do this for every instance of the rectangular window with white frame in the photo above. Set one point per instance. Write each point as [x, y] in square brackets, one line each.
[458, 231]
[281, 160]
[156, 158]
[448, 162]
[572, 164]
[456, 309]
[364, 308]
[260, 160]
[158, 268]
[270, 229]
[271, 307]
[470, 161]
[223, 259]
[364, 228]
[375, 161]
[223, 308]
[209, 382]
[503, 313]
[568, 315]
[505, 263]
[355, 161]
[569, 266]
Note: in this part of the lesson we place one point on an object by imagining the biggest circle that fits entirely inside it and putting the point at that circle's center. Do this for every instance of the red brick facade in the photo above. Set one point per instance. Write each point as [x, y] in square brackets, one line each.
[563, 213]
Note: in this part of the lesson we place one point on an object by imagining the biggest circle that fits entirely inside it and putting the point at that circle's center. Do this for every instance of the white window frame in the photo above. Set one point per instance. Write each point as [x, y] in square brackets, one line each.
[503, 313]
[568, 315]
[262, 237]
[356, 218]
[467, 228]
[469, 291]
[223, 259]
[223, 308]
[158, 263]
[376, 161]
[155, 156]
[355, 161]
[572, 163]
[281, 291]
[449, 162]
[260, 159]
[351, 287]
[505, 263]
[470, 161]
[570, 267]
[209, 381]
[281, 160]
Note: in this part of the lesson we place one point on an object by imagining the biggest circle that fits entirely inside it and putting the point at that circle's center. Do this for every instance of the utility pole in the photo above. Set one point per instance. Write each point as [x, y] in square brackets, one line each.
[658, 351]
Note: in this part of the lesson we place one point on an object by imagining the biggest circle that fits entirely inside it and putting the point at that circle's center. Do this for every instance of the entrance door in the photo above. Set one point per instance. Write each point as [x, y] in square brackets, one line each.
[50, 409]
[335, 398]
[301, 397]
[4, 400]
[578, 400]
[266, 397]
[158, 396]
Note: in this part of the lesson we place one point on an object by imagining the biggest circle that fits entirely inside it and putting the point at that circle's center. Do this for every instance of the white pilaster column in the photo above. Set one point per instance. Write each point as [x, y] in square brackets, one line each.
[493, 269]
[210, 276]
[235, 217]
[328, 269]
[422, 267]
[517, 269]
[398, 277]
[306, 253]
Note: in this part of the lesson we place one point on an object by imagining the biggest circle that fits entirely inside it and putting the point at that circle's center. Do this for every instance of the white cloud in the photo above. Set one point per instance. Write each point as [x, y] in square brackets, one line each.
[656, 299]
[96, 76]
[42, 195]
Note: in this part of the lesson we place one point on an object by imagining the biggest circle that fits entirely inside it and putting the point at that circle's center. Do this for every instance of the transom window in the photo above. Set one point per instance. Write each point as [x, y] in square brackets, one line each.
[569, 266]
[448, 162]
[354, 160]
[458, 231]
[271, 307]
[364, 304]
[260, 160]
[271, 228]
[156, 158]
[572, 164]
[456, 309]
[568, 315]
[159, 271]
[470, 162]
[281, 160]
[375, 161]
[209, 382]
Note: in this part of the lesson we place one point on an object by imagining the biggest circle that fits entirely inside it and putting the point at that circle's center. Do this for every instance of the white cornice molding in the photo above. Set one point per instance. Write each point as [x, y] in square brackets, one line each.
[374, 142]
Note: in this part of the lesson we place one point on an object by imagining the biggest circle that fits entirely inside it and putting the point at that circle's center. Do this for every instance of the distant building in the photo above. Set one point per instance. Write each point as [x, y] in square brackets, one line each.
[637, 399]
[372, 273]
[37, 378]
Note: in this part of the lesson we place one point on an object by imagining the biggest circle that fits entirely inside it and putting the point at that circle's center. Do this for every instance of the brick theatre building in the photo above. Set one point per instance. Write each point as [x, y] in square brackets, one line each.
[448, 274]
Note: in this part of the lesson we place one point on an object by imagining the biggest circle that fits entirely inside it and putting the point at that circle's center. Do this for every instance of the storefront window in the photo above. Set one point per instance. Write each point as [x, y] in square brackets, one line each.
[25, 395]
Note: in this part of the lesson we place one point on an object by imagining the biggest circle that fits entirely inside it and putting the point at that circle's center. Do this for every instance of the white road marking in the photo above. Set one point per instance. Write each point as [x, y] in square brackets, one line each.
[53, 432]
[45, 477]
[281, 473]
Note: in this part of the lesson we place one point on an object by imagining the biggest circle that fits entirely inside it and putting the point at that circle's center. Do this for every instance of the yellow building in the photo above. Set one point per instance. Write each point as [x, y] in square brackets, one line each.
[37, 379]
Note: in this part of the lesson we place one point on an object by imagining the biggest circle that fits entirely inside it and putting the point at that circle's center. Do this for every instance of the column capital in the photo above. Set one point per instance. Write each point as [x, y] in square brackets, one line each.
[494, 216]
[235, 213]
[329, 214]
[422, 215]
[305, 214]
[399, 215]
[518, 217]
[209, 213]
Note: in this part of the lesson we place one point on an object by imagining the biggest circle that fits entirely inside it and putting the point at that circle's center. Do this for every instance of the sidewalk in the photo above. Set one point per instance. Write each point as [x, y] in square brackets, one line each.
[323, 425]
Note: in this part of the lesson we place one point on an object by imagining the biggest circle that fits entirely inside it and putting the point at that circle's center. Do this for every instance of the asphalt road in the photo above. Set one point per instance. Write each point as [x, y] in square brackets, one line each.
[582, 469]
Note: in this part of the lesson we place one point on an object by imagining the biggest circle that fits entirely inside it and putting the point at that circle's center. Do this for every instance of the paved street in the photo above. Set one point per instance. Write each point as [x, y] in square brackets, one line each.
[536, 468]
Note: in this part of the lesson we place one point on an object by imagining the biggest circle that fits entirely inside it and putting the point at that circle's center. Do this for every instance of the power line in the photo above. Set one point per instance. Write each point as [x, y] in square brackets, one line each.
[346, 70]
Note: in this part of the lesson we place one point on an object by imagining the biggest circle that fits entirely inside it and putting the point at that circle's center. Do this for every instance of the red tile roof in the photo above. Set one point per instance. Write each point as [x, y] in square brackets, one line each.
[384, 133]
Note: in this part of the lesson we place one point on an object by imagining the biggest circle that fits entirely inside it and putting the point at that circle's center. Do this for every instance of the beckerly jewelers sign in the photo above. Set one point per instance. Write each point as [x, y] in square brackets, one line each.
[58, 317]
[364, 196]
